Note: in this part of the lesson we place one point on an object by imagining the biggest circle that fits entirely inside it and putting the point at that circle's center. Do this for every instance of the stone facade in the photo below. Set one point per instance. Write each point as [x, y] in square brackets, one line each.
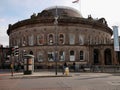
[73, 39]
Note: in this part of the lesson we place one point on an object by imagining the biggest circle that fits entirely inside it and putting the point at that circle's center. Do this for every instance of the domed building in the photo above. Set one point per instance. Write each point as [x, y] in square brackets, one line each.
[62, 34]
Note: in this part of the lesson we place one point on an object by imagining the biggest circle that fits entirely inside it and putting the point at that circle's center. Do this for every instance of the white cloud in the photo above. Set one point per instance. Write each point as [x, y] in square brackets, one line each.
[3, 36]
[2, 20]
[17, 10]
[4, 40]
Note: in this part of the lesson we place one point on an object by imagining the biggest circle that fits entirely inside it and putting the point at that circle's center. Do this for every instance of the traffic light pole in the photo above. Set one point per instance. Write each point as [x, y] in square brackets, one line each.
[12, 65]
[14, 57]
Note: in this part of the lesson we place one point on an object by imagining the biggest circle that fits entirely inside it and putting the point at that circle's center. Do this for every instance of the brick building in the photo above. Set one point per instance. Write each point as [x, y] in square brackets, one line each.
[4, 57]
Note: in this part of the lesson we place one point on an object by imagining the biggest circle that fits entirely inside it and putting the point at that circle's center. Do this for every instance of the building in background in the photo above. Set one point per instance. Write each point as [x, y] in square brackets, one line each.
[119, 52]
[79, 40]
[4, 57]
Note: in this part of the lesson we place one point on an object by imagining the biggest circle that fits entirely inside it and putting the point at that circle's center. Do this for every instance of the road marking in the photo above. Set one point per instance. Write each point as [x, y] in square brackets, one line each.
[114, 83]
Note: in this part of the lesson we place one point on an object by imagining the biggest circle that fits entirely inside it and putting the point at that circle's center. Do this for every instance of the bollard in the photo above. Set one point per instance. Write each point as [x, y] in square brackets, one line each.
[66, 71]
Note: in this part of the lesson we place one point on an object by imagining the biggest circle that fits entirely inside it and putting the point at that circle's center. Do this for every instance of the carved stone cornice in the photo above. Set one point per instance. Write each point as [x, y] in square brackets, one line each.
[61, 21]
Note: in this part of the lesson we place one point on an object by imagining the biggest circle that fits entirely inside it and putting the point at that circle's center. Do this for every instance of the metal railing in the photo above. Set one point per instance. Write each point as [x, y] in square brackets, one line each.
[83, 68]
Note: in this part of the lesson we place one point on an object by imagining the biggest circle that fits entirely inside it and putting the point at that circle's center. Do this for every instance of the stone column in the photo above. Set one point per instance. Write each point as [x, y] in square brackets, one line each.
[67, 38]
[67, 58]
[77, 55]
[102, 59]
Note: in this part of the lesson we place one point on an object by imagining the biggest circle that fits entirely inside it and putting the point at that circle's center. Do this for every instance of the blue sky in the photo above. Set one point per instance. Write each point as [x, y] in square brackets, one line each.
[12, 11]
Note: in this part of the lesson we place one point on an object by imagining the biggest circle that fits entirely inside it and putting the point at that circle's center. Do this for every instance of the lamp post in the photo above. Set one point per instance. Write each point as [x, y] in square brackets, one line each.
[23, 54]
[88, 50]
[56, 39]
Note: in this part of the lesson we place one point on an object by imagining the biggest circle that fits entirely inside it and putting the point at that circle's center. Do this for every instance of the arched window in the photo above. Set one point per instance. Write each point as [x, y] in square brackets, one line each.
[104, 40]
[71, 39]
[81, 55]
[18, 42]
[23, 41]
[81, 40]
[91, 40]
[40, 39]
[96, 40]
[99, 42]
[31, 40]
[61, 39]
[50, 39]
[72, 55]
[62, 55]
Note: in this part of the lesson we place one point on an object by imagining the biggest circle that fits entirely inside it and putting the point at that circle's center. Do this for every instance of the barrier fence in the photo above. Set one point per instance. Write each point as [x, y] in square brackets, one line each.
[78, 68]
[87, 68]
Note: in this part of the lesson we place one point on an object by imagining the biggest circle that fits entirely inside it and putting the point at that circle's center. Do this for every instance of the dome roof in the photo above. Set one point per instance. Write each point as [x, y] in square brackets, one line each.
[67, 16]
[63, 11]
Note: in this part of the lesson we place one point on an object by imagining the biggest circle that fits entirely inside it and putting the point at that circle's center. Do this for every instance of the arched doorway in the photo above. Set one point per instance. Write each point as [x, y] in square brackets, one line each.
[119, 57]
[96, 56]
[107, 57]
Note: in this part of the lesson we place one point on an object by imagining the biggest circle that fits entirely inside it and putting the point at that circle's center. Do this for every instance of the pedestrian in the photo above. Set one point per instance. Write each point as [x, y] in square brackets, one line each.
[12, 69]
[64, 66]
[16, 67]
[82, 67]
[19, 66]
[74, 66]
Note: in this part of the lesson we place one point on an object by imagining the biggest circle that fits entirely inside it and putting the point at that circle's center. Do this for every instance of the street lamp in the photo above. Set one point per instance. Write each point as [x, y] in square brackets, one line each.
[89, 50]
[56, 38]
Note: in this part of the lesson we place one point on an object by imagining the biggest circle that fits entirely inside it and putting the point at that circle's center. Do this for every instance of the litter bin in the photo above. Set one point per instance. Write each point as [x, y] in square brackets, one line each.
[66, 71]
[28, 64]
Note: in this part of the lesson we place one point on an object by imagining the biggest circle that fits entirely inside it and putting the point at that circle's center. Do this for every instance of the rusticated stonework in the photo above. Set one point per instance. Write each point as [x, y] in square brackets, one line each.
[73, 39]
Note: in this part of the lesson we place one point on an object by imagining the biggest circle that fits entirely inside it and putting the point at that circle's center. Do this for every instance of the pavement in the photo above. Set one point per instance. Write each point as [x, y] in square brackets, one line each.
[46, 80]
[39, 75]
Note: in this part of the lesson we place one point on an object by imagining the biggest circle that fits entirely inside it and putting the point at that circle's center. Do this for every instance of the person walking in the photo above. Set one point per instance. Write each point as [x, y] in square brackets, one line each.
[64, 66]
[12, 69]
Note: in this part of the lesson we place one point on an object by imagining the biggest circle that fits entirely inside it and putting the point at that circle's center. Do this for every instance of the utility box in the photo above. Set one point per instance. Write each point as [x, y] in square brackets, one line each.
[28, 64]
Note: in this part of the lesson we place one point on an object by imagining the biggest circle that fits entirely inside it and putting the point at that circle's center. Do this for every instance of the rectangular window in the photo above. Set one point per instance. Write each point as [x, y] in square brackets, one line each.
[51, 56]
[40, 57]
[72, 56]
[81, 55]
[62, 56]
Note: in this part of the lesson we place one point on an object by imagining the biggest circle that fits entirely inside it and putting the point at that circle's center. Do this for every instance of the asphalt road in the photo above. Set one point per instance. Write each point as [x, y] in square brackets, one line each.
[78, 81]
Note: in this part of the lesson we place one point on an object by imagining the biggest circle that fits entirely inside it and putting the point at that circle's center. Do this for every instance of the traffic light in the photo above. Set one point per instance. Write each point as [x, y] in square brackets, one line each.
[16, 51]
[12, 51]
